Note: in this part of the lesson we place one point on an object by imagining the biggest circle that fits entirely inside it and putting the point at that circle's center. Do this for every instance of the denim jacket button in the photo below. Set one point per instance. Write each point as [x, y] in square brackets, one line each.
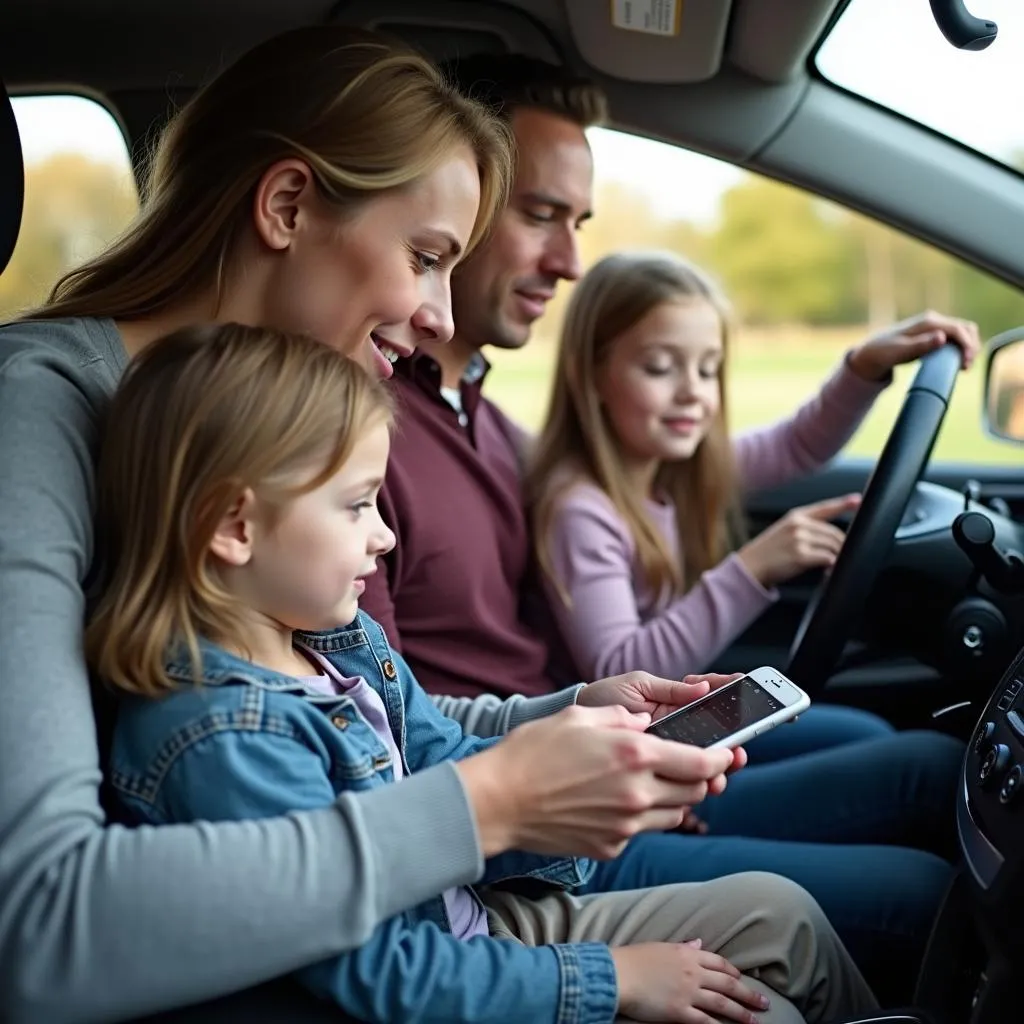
[340, 721]
[389, 669]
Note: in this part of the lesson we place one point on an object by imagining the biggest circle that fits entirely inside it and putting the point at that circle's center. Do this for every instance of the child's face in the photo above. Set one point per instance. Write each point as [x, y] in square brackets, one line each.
[307, 569]
[660, 383]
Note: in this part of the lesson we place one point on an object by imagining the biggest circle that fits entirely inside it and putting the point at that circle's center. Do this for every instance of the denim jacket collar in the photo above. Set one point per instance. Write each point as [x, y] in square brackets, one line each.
[219, 667]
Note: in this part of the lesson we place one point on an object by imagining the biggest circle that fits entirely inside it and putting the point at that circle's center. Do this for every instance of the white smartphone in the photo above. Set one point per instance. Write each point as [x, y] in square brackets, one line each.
[735, 713]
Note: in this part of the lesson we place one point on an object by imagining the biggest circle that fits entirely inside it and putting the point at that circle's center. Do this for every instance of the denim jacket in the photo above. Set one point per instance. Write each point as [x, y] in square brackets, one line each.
[252, 743]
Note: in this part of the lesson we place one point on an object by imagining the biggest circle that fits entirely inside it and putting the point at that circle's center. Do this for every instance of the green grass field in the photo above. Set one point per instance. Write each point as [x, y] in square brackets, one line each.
[771, 373]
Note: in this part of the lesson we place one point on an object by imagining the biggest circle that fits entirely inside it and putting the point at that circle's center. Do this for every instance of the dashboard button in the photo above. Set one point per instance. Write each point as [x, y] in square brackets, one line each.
[1011, 784]
[984, 737]
[1016, 723]
[997, 760]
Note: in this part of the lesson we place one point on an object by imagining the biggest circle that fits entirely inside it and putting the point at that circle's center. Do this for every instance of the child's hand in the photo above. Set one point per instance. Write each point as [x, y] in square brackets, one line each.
[680, 982]
[911, 339]
[802, 539]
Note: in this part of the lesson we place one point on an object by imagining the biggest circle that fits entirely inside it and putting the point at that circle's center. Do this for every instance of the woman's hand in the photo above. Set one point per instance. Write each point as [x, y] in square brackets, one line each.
[680, 982]
[911, 339]
[584, 782]
[802, 539]
[642, 693]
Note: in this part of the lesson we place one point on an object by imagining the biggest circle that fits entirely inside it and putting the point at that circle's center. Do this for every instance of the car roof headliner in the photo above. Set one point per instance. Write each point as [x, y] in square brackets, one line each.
[736, 83]
[133, 45]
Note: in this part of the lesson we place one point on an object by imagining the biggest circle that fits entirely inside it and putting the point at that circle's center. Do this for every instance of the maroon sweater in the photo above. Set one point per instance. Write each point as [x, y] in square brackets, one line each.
[449, 595]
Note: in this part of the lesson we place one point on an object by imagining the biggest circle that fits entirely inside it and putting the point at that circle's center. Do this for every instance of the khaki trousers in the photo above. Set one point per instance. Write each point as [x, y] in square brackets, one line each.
[768, 927]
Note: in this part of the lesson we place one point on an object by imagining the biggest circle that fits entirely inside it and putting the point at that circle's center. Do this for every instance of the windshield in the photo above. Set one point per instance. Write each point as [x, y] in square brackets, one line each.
[891, 52]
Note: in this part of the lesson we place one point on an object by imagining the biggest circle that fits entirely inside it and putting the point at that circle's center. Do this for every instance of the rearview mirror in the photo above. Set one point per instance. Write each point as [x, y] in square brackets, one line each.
[1003, 414]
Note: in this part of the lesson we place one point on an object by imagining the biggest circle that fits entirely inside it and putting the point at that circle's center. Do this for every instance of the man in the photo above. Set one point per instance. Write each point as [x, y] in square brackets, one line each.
[451, 595]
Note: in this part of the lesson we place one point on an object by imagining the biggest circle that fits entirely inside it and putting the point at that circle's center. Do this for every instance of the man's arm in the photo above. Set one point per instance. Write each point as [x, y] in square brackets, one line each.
[488, 715]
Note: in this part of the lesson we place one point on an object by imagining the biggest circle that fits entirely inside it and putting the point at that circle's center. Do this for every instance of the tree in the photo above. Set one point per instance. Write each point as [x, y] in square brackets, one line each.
[785, 257]
[900, 275]
[73, 207]
[995, 305]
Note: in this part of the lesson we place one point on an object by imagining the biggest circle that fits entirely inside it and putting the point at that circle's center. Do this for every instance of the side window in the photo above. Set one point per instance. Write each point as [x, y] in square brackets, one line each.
[79, 193]
[807, 279]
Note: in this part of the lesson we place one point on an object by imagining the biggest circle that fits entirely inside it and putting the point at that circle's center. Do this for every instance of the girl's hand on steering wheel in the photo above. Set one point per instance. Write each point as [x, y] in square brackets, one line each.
[912, 339]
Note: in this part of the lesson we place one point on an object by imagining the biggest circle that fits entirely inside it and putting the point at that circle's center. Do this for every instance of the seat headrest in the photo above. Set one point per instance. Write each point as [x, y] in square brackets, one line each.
[12, 179]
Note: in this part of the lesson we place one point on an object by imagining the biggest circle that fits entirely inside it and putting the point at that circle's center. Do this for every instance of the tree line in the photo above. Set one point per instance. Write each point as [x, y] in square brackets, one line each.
[785, 256]
[782, 255]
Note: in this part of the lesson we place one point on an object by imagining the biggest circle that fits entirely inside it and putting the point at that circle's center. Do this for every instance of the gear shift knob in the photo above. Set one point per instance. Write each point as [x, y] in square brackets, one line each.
[976, 537]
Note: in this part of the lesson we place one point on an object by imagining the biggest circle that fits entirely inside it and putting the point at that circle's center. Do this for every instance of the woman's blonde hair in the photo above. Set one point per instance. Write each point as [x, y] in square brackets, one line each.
[577, 440]
[365, 113]
[199, 417]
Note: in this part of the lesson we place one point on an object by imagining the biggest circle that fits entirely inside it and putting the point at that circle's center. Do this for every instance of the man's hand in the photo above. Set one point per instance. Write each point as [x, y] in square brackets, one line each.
[642, 693]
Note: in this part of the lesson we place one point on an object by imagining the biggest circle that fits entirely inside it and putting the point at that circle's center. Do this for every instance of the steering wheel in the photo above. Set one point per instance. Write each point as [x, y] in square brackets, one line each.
[826, 624]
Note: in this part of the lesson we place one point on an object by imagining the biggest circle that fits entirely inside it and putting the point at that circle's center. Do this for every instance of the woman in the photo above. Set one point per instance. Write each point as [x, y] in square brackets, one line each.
[326, 182]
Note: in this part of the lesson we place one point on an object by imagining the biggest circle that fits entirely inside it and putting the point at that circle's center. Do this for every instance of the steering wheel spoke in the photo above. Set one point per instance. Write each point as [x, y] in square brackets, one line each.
[826, 624]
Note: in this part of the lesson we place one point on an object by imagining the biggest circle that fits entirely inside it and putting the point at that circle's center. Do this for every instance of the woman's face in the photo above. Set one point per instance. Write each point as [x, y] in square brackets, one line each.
[377, 284]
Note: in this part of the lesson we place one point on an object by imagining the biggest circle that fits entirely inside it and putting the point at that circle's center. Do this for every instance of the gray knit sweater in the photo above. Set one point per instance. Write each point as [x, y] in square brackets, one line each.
[100, 922]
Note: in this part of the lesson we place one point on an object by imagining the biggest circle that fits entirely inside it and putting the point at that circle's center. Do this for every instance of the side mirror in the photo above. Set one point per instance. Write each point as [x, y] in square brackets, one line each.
[1003, 414]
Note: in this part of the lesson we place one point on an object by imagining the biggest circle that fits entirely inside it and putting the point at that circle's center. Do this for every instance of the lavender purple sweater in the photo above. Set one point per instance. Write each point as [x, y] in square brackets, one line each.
[613, 623]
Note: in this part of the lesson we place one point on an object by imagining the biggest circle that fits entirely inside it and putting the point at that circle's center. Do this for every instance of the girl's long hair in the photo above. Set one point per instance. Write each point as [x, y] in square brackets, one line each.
[365, 113]
[577, 441]
[201, 416]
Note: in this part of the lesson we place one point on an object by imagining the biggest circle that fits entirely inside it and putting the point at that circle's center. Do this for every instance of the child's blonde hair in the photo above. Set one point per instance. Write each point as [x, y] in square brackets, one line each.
[578, 440]
[200, 416]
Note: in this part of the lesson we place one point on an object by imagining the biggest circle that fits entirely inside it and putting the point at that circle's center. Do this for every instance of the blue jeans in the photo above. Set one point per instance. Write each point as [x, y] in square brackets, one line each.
[855, 812]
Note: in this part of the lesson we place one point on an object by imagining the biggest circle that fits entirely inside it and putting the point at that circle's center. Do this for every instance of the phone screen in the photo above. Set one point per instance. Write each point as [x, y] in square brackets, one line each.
[723, 713]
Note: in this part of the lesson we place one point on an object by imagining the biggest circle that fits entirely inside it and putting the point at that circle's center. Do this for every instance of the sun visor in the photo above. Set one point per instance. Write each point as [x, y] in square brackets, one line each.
[447, 29]
[667, 41]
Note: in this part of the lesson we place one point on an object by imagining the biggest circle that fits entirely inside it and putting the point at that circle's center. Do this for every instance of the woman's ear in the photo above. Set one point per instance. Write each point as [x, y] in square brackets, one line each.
[232, 541]
[283, 202]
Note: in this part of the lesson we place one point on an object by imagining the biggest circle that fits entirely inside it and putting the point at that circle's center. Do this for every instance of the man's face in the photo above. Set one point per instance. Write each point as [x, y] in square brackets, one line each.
[507, 283]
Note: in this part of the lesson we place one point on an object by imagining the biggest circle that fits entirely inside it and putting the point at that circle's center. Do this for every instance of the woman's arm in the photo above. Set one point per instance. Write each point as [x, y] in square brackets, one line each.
[815, 433]
[404, 971]
[592, 557]
[100, 922]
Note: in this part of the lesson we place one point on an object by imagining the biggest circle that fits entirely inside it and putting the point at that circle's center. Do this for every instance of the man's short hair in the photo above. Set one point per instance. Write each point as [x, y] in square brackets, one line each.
[508, 81]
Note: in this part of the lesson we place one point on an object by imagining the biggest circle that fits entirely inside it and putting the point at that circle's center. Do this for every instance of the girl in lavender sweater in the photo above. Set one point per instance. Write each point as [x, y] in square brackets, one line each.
[636, 484]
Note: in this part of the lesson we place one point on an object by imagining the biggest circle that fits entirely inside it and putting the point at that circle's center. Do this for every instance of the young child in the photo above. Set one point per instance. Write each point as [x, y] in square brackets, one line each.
[237, 489]
[635, 485]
